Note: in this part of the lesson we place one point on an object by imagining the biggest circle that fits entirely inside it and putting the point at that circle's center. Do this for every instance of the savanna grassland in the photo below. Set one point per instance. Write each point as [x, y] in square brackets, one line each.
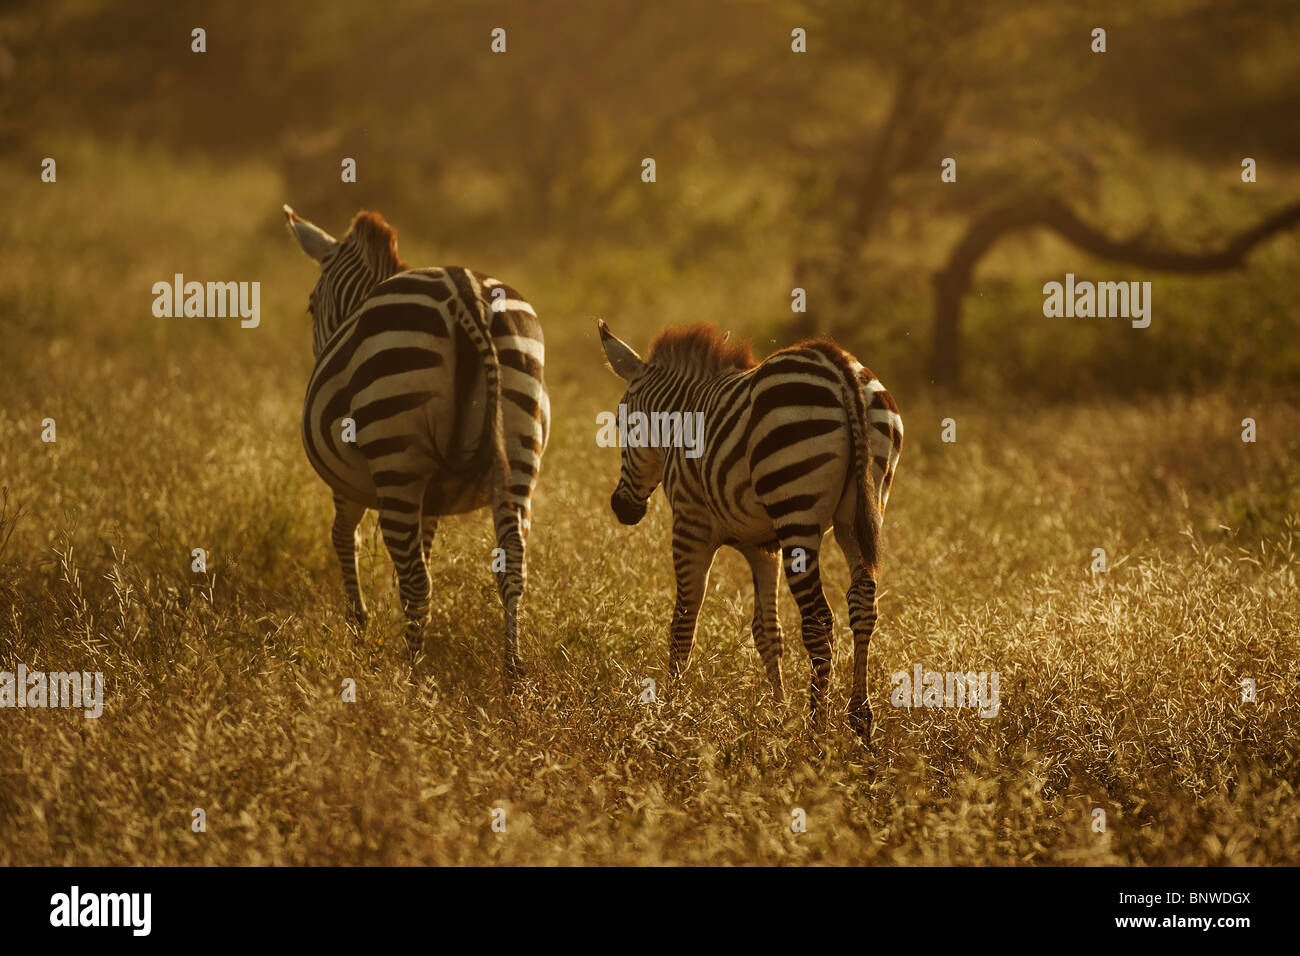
[1119, 691]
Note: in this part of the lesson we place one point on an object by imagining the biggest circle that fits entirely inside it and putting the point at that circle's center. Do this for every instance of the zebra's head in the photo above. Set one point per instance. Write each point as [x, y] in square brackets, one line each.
[349, 269]
[642, 468]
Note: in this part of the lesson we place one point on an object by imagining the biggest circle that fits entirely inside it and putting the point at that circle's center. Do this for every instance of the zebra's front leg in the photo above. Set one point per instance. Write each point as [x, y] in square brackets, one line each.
[399, 522]
[766, 568]
[692, 559]
[511, 571]
[347, 515]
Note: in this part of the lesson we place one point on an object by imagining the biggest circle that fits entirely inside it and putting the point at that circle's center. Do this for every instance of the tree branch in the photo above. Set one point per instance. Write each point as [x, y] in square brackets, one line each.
[1049, 212]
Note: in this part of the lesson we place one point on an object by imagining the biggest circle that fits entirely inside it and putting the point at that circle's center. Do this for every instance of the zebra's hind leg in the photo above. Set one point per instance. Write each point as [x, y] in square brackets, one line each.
[862, 620]
[803, 574]
[347, 515]
[766, 568]
[511, 571]
[428, 528]
[399, 522]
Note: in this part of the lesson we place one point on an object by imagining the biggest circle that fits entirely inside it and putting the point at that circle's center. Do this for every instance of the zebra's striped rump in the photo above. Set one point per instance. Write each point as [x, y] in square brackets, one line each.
[415, 387]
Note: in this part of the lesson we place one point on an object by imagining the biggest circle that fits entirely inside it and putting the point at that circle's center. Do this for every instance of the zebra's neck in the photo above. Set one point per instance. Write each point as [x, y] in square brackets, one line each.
[330, 324]
[677, 392]
[673, 392]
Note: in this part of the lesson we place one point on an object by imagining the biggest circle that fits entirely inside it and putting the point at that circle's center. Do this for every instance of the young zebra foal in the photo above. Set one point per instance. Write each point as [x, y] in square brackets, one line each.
[427, 399]
[788, 450]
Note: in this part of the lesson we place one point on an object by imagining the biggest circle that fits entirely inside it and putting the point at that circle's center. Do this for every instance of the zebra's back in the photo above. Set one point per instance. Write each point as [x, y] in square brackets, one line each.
[780, 453]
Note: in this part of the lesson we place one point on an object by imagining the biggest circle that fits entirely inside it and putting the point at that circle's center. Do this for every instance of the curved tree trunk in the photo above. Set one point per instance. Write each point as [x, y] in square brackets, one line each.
[953, 281]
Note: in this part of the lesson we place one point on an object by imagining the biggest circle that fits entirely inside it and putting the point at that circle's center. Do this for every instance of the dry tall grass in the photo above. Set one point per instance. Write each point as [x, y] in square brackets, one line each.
[1119, 691]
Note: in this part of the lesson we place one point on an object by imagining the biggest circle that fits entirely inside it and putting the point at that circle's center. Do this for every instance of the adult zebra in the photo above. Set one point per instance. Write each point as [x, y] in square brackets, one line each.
[788, 451]
[427, 399]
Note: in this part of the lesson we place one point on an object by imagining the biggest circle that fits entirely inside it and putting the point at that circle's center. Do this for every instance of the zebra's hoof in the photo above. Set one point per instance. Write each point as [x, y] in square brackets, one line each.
[860, 719]
[817, 707]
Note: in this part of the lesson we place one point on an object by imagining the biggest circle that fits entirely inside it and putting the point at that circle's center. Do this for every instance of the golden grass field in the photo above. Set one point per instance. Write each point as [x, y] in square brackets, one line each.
[1119, 691]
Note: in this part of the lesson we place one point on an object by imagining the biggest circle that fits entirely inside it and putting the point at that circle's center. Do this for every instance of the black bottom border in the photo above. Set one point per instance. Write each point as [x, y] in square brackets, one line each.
[944, 905]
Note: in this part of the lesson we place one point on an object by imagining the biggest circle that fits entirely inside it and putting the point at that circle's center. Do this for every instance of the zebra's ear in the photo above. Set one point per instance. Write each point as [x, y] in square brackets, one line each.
[316, 242]
[622, 358]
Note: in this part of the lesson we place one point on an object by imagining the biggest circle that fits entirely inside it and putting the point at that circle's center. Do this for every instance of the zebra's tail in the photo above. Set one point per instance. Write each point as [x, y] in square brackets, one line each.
[490, 448]
[866, 516]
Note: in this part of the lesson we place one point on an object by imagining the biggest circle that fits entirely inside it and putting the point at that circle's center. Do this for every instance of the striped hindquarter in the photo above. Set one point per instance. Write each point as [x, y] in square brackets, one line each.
[805, 442]
[428, 401]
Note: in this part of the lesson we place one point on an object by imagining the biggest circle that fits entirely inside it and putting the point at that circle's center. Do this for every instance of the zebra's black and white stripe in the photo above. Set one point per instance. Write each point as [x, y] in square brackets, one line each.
[440, 373]
[805, 441]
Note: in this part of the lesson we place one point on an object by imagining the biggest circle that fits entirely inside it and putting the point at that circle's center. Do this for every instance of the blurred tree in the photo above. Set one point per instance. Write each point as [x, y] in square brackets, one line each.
[830, 158]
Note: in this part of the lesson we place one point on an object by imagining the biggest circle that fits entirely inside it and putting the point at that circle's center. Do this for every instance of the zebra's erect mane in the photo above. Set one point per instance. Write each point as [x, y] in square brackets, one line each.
[699, 350]
[378, 240]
